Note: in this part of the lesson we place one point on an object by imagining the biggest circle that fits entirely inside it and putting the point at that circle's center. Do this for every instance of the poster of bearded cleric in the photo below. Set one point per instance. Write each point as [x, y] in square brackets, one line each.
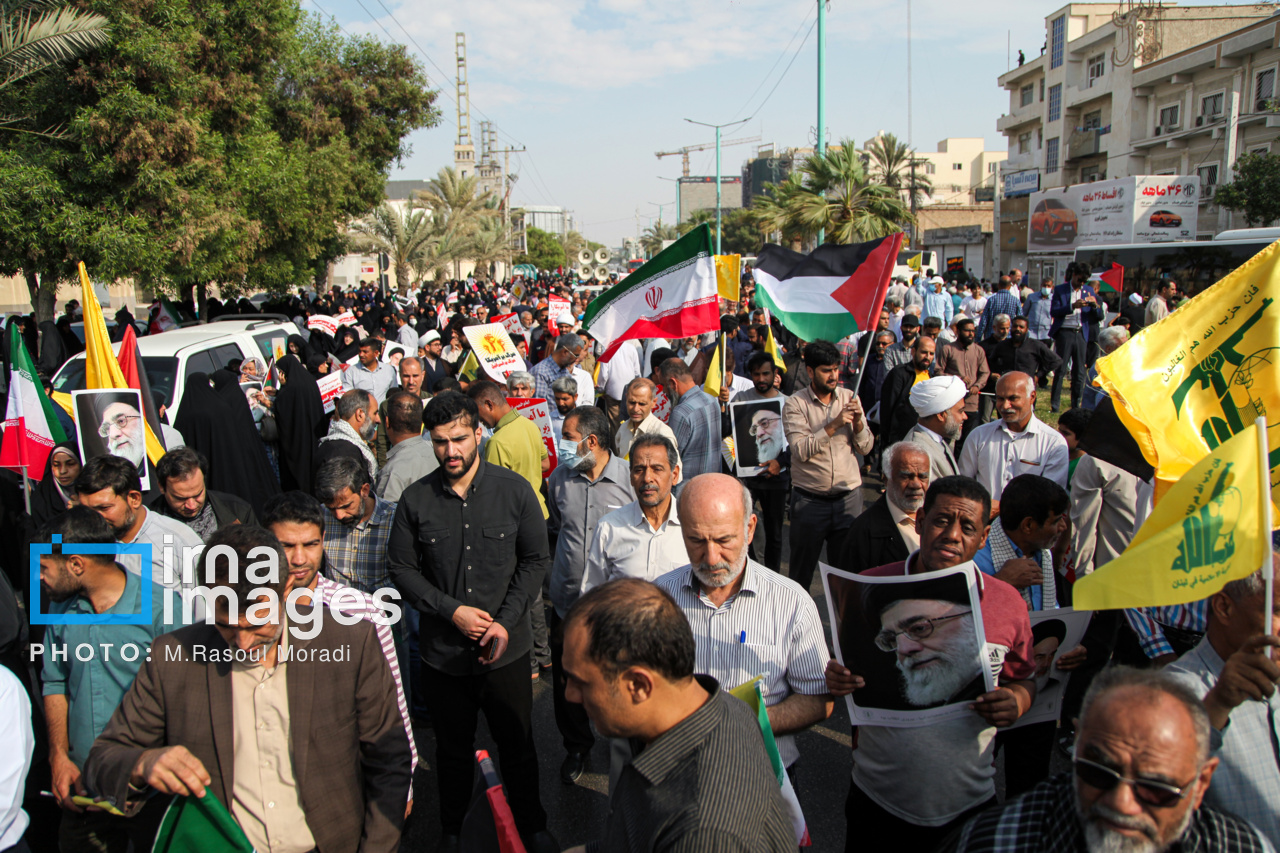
[110, 422]
[916, 640]
[1053, 634]
[757, 434]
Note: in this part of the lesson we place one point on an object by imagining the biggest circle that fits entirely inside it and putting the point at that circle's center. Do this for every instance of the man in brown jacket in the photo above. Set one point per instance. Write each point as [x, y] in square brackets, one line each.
[967, 360]
[321, 761]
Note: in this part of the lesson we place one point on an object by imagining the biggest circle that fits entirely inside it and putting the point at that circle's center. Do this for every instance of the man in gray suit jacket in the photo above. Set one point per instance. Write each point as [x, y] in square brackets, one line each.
[325, 761]
[939, 405]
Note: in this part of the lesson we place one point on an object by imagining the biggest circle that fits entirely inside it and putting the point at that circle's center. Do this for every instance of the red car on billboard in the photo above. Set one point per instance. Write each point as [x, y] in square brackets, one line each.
[1165, 219]
[1053, 220]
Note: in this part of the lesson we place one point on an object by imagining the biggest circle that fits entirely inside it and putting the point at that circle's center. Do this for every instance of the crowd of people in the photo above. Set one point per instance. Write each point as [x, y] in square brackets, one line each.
[637, 562]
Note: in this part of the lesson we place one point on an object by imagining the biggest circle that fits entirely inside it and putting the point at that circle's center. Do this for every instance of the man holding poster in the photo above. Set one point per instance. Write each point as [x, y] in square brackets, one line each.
[953, 753]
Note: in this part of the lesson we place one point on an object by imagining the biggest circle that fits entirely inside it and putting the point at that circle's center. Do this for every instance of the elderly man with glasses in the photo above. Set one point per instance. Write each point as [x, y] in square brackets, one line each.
[1142, 768]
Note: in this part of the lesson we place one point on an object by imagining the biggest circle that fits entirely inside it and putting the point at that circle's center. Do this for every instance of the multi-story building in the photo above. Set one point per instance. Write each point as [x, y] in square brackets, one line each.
[959, 170]
[1089, 106]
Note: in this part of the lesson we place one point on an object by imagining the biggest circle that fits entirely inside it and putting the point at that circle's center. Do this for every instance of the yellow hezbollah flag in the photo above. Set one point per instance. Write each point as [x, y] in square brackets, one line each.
[771, 347]
[1213, 527]
[728, 276]
[715, 371]
[1204, 373]
[101, 370]
[915, 261]
[470, 367]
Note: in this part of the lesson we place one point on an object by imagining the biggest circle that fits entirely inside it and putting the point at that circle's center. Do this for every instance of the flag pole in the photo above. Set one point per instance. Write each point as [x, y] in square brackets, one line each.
[1268, 564]
[26, 488]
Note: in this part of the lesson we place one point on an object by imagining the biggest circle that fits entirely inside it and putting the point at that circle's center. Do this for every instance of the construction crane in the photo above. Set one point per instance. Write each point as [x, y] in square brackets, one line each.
[684, 152]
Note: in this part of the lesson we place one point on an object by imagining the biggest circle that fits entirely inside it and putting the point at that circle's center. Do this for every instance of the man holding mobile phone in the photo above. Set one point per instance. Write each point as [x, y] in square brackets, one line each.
[468, 549]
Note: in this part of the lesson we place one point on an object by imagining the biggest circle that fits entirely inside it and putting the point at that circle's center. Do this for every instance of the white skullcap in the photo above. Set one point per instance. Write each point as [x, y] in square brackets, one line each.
[430, 336]
[565, 319]
[937, 394]
[937, 279]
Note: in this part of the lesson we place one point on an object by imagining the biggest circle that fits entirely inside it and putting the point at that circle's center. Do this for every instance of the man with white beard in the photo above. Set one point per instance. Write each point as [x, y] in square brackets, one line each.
[125, 432]
[886, 532]
[954, 757]
[747, 620]
[1142, 767]
[939, 663]
[766, 426]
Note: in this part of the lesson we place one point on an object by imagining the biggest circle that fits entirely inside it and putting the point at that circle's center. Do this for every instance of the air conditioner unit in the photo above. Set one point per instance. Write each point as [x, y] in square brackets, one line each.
[1207, 191]
[1199, 121]
[1159, 130]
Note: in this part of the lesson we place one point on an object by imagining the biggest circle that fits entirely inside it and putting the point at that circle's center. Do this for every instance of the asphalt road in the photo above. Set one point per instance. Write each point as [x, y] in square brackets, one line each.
[576, 813]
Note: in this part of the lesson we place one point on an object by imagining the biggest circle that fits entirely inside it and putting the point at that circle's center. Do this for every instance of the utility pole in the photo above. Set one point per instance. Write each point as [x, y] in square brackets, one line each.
[911, 151]
[675, 181]
[718, 128]
[821, 145]
[504, 208]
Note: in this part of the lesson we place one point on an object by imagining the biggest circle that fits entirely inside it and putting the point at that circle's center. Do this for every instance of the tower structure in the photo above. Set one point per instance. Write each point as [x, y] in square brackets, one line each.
[464, 152]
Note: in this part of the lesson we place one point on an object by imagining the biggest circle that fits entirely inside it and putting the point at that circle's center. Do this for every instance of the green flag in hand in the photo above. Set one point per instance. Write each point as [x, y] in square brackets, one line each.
[200, 825]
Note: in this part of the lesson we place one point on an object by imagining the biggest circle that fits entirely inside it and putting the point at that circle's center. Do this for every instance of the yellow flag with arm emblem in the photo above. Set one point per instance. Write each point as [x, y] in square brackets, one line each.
[1185, 385]
[1212, 527]
[728, 276]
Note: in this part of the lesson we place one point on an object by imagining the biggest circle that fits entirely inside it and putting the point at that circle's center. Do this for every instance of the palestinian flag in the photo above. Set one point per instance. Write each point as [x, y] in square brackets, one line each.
[831, 293]
[672, 296]
[31, 427]
[1109, 281]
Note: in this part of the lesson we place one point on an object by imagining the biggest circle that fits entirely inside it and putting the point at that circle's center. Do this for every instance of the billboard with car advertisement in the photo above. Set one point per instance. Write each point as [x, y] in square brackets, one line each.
[1144, 209]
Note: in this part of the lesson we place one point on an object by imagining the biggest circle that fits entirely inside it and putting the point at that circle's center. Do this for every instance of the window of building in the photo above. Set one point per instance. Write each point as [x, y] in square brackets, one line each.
[1057, 40]
[1042, 90]
[957, 167]
[1039, 138]
[1027, 95]
[1024, 142]
[929, 168]
[1051, 155]
[955, 188]
[1097, 66]
[1055, 102]
[1211, 105]
[1093, 120]
[1264, 88]
[992, 168]
[1263, 150]
[1169, 117]
[1208, 175]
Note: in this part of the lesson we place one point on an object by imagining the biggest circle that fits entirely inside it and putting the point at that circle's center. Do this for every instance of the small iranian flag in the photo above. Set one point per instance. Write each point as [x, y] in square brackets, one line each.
[672, 296]
[831, 293]
[31, 428]
[167, 317]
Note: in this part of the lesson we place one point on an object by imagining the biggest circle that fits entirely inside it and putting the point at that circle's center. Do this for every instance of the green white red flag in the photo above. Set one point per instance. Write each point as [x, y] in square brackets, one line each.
[672, 296]
[31, 427]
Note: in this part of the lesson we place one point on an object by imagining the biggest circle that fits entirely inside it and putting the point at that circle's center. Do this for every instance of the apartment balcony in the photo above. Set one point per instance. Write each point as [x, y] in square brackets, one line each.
[1085, 143]
[1077, 95]
[1019, 162]
[1025, 115]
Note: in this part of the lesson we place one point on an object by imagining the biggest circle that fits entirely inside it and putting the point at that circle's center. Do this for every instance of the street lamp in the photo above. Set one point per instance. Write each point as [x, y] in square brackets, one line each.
[675, 181]
[718, 128]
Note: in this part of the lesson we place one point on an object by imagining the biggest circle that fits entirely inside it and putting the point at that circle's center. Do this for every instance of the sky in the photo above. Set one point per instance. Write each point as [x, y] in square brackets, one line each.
[593, 88]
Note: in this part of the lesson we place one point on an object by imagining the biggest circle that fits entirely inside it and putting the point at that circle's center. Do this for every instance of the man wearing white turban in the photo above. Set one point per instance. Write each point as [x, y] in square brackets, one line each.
[939, 404]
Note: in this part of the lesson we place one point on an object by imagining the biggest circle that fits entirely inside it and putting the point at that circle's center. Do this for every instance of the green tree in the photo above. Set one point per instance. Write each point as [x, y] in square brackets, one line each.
[891, 165]
[458, 203]
[488, 246]
[573, 243]
[655, 235]
[225, 144]
[1255, 190]
[405, 236]
[773, 213]
[36, 35]
[545, 250]
[843, 199]
[739, 234]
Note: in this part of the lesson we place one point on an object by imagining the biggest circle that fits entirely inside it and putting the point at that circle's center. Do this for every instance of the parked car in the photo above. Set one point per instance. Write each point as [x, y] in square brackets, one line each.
[139, 328]
[170, 357]
[1053, 220]
[1165, 219]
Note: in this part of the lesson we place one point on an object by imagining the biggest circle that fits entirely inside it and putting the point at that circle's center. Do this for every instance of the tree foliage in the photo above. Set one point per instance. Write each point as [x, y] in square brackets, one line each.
[655, 235]
[739, 233]
[224, 144]
[545, 251]
[891, 164]
[1255, 191]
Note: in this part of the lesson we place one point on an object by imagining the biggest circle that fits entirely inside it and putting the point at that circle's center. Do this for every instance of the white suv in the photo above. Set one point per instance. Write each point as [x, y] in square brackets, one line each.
[170, 357]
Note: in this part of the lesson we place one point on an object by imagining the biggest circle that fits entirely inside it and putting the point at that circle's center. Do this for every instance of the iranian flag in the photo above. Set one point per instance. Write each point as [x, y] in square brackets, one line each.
[672, 296]
[31, 428]
[831, 293]
[168, 316]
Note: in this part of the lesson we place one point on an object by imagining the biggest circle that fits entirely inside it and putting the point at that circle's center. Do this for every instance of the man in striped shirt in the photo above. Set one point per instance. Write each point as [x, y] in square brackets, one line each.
[297, 520]
[748, 620]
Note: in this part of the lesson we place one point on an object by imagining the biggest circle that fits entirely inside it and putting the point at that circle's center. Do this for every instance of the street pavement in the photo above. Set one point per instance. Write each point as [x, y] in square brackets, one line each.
[576, 813]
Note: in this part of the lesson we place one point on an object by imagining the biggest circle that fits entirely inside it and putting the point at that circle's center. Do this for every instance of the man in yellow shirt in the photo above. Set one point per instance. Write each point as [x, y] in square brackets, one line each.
[516, 443]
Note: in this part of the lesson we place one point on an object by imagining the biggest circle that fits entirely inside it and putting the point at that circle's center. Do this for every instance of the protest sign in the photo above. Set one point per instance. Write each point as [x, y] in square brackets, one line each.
[757, 434]
[556, 305]
[346, 318]
[324, 323]
[917, 641]
[538, 410]
[109, 421]
[511, 322]
[662, 405]
[495, 350]
[1053, 633]
[330, 389]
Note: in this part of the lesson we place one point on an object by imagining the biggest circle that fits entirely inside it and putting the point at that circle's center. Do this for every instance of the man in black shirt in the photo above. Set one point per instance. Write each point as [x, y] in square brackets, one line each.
[468, 548]
[1022, 353]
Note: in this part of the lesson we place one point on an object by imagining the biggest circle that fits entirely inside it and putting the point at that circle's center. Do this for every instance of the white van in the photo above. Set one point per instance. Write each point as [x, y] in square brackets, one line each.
[170, 357]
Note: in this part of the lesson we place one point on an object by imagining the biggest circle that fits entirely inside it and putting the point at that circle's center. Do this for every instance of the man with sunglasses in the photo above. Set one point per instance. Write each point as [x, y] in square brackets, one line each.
[951, 759]
[1141, 772]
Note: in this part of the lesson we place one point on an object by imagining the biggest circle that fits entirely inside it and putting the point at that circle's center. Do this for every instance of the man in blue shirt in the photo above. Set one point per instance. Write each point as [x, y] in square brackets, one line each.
[88, 667]
[937, 302]
[1033, 514]
[695, 420]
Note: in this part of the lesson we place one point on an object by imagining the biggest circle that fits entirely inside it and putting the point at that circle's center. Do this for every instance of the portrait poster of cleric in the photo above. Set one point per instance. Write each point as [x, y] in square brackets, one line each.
[1053, 633]
[110, 422]
[757, 434]
[917, 640]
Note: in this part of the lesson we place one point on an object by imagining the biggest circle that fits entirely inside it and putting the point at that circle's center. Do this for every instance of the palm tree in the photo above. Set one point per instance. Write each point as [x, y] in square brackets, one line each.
[403, 235]
[458, 201]
[573, 243]
[841, 198]
[37, 34]
[487, 246]
[698, 217]
[891, 165]
[655, 235]
[773, 212]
